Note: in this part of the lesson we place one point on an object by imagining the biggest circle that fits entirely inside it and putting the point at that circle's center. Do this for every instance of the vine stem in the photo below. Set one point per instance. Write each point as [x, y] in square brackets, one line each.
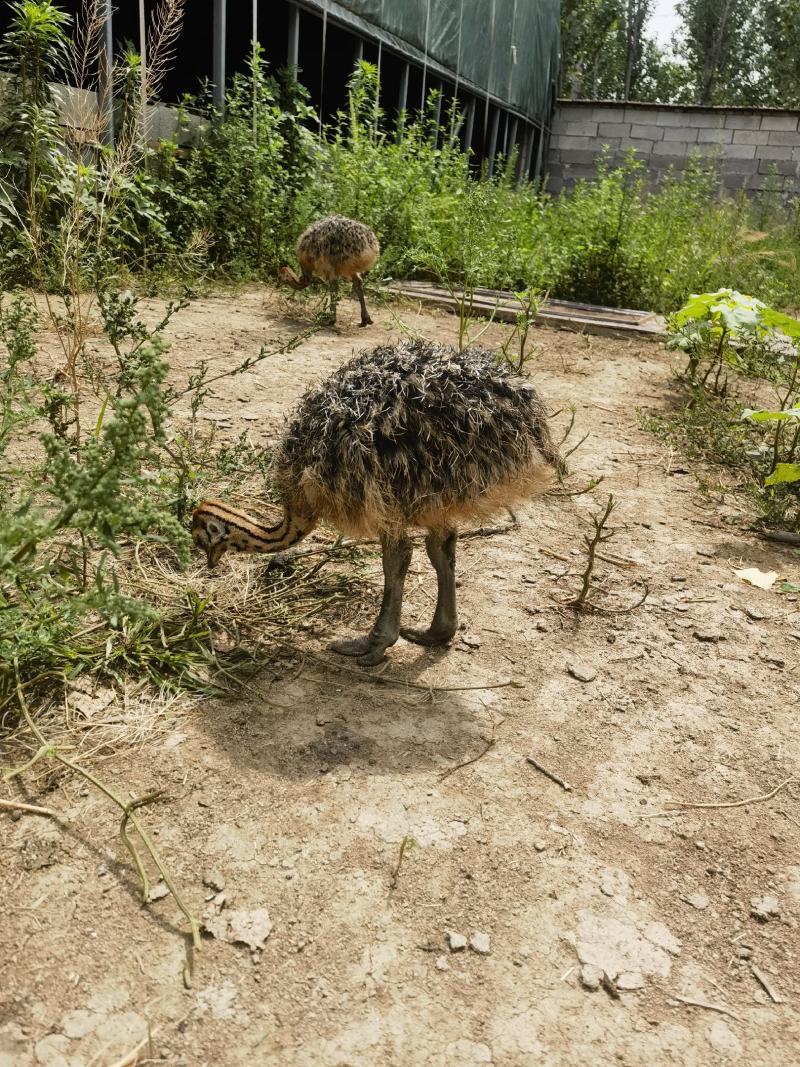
[48, 749]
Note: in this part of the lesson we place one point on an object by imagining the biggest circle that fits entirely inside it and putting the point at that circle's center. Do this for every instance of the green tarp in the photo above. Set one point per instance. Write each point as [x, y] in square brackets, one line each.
[507, 48]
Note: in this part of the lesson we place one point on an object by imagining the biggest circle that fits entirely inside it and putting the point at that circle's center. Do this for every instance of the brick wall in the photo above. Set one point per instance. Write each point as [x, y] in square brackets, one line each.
[753, 144]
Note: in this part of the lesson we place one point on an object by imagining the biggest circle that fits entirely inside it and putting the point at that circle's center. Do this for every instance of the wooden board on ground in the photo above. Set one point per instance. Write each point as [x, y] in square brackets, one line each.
[562, 314]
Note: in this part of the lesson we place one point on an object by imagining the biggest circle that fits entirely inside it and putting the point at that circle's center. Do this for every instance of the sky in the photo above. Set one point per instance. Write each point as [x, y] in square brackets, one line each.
[663, 21]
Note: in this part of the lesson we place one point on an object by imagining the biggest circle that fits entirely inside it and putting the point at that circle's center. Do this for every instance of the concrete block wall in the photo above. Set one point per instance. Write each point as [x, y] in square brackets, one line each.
[757, 147]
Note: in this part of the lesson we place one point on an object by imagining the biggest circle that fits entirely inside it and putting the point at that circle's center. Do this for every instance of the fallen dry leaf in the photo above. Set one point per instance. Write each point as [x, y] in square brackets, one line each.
[761, 579]
[251, 928]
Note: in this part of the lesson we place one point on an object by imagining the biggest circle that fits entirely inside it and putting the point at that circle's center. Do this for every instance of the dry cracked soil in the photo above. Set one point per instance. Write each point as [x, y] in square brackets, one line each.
[527, 923]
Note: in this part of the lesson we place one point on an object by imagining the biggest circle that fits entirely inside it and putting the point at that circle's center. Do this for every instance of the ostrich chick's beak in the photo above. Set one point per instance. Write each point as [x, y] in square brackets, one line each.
[214, 553]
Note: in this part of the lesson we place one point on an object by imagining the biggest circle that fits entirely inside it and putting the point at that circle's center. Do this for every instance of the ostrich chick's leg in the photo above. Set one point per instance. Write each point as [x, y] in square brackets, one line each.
[333, 287]
[386, 629]
[358, 290]
[441, 548]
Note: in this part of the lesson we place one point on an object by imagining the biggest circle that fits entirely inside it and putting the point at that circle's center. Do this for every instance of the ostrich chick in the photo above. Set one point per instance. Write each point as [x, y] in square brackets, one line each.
[408, 435]
[334, 248]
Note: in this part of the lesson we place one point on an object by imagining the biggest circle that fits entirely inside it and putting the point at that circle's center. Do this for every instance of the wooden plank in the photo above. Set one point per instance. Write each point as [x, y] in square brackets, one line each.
[561, 314]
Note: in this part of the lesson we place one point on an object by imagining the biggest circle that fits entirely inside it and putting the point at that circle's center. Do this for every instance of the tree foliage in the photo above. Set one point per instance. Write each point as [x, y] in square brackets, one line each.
[735, 52]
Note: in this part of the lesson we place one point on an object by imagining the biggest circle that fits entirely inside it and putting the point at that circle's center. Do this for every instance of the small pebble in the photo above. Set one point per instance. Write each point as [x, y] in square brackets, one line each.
[698, 900]
[457, 942]
[540, 846]
[480, 943]
[709, 636]
[582, 672]
[157, 892]
[743, 952]
[214, 880]
[765, 908]
[442, 964]
[591, 976]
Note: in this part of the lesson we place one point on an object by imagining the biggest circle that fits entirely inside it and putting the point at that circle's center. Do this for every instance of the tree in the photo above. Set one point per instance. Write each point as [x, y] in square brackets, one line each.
[719, 43]
[607, 55]
[780, 35]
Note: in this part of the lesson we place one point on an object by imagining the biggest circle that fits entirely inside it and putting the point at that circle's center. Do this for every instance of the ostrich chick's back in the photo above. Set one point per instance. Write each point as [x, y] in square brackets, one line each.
[337, 247]
[415, 434]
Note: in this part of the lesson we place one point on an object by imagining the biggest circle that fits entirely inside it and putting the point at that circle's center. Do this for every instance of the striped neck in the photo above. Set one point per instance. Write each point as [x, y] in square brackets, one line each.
[216, 527]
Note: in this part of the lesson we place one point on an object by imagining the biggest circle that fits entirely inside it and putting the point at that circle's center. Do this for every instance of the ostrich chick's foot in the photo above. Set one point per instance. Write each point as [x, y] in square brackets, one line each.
[366, 650]
[428, 637]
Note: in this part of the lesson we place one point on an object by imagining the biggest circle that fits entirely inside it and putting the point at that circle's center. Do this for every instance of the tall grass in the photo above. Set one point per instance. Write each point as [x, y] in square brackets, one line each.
[233, 205]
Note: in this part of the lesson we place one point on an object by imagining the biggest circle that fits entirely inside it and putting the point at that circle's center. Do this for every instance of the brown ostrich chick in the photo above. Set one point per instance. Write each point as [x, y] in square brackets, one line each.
[334, 248]
[407, 435]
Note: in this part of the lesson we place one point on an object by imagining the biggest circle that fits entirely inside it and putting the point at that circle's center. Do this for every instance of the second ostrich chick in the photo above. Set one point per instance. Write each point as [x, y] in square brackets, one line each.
[332, 248]
[408, 435]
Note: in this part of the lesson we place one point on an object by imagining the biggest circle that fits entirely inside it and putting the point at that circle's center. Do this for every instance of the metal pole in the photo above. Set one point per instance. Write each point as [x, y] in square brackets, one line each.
[322, 66]
[359, 50]
[143, 67]
[539, 153]
[425, 63]
[402, 100]
[218, 73]
[107, 76]
[255, 22]
[293, 54]
[470, 125]
[493, 140]
[511, 139]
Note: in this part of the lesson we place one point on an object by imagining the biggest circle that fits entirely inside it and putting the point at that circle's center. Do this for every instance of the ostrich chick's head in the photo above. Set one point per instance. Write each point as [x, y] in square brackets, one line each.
[286, 276]
[210, 534]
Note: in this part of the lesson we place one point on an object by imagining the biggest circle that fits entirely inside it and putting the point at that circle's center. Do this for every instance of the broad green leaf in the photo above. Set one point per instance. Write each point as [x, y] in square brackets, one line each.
[784, 472]
[787, 415]
[778, 321]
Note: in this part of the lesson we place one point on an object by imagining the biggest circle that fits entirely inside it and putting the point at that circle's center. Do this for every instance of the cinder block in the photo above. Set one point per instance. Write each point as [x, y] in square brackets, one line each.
[673, 149]
[585, 128]
[564, 143]
[715, 135]
[569, 156]
[643, 115]
[678, 133]
[750, 137]
[740, 151]
[578, 171]
[707, 120]
[614, 129]
[743, 120]
[738, 166]
[650, 133]
[634, 142]
[674, 117]
[779, 166]
[786, 122]
[773, 151]
[606, 113]
[779, 137]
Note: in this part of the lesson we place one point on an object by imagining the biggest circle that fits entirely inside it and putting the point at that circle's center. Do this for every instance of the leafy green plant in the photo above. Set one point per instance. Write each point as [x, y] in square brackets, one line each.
[726, 329]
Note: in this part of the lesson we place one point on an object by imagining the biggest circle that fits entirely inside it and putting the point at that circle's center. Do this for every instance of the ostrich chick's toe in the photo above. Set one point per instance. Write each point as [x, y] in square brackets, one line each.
[366, 650]
[429, 637]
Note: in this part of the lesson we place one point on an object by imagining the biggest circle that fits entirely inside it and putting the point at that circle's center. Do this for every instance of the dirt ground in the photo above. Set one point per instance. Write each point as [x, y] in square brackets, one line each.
[297, 798]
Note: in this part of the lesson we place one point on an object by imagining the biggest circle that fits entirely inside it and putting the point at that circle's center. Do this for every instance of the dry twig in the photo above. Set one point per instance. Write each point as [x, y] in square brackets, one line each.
[678, 807]
[33, 809]
[720, 1008]
[765, 983]
[549, 774]
[452, 770]
[408, 841]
